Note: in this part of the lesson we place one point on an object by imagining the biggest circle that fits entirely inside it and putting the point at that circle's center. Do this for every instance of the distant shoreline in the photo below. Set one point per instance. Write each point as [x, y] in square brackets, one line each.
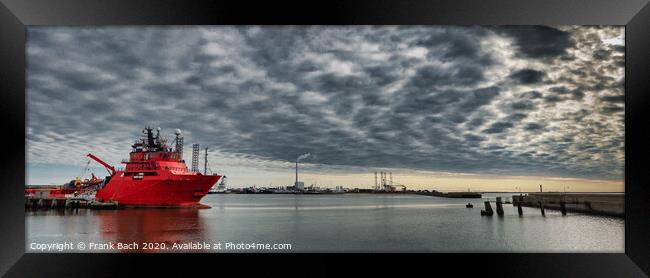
[571, 192]
[523, 192]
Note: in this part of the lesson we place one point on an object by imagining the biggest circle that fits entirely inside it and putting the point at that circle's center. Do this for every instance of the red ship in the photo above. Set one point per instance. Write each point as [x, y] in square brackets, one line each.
[154, 175]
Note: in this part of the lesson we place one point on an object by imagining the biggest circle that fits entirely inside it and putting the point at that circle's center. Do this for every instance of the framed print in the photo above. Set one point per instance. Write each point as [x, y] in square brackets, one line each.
[508, 135]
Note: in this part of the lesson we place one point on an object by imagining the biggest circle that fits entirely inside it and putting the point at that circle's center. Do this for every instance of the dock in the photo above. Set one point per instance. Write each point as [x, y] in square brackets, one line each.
[473, 195]
[45, 203]
[609, 204]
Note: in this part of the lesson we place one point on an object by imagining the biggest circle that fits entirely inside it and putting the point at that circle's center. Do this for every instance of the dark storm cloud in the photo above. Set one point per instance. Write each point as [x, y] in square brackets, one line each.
[458, 44]
[533, 126]
[527, 76]
[531, 95]
[498, 127]
[614, 99]
[480, 97]
[552, 99]
[602, 54]
[611, 109]
[523, 105]
[538, 41]
[423, 98]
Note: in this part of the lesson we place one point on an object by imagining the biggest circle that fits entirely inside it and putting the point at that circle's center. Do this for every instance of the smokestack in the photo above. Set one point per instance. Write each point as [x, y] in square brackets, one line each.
[302, 156]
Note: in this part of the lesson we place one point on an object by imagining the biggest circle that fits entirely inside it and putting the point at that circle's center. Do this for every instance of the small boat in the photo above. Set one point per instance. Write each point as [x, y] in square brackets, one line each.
[469, 205]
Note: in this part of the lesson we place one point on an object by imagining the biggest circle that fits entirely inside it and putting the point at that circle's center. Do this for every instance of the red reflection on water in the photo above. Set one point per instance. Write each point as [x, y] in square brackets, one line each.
[151, 227]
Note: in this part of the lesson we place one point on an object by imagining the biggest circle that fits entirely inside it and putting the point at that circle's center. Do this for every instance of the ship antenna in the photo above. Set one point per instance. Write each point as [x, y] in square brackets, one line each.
[150, 139]
[205, 163]
[179, 143]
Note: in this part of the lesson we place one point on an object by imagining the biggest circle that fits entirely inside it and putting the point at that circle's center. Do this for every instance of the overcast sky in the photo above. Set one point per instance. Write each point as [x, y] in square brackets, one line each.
[440, 101]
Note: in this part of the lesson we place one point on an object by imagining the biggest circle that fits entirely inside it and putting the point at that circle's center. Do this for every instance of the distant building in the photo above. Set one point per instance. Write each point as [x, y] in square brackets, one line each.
[299, 186]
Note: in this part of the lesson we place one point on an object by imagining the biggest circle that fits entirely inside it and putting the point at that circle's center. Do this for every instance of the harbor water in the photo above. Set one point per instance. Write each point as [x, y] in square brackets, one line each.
[333, 223]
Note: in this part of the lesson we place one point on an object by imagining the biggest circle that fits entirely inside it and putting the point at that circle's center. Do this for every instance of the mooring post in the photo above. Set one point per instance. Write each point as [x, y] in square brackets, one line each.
[541, 206]
[563, 208]
[488, 209]
[499, 206]
[519, 210]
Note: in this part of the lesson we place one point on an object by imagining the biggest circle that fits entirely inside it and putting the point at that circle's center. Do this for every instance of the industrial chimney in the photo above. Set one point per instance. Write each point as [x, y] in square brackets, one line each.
[300, 185]
[296, 171]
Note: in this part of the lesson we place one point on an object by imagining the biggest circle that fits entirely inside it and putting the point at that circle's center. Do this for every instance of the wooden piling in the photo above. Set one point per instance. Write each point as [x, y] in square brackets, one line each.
[563, 208]
[541, 207]
[488, 209]
[519, 210]
[499, 206]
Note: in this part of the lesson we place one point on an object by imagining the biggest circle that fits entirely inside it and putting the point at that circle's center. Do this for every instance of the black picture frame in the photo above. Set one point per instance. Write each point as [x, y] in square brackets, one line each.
[15, 15]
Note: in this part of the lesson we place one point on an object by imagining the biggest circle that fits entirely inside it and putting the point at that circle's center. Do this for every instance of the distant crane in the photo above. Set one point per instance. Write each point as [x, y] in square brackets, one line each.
[386, 183]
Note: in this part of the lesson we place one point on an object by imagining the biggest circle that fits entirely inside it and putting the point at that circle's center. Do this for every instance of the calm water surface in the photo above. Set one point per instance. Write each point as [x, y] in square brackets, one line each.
[337, 223]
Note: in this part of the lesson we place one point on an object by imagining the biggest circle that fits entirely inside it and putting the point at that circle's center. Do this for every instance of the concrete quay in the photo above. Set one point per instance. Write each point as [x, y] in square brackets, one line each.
[611, 204]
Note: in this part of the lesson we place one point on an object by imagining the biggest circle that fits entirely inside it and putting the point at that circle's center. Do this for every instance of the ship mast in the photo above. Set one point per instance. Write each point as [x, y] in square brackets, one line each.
[205, 163]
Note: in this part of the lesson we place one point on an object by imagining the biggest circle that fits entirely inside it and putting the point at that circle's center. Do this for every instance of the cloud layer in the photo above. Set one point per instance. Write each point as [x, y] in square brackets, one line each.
[489, 100]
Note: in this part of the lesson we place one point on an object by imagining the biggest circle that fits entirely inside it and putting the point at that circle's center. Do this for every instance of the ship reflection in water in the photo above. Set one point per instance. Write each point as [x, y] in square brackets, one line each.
[151, 227]
[146, 227]
[335, 223]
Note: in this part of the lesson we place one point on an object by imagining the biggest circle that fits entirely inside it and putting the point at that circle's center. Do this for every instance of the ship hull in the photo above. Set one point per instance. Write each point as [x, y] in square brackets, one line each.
[171, 190]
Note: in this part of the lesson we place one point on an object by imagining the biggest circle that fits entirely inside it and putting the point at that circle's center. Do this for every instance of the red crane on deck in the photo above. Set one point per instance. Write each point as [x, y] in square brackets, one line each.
[109, 168]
